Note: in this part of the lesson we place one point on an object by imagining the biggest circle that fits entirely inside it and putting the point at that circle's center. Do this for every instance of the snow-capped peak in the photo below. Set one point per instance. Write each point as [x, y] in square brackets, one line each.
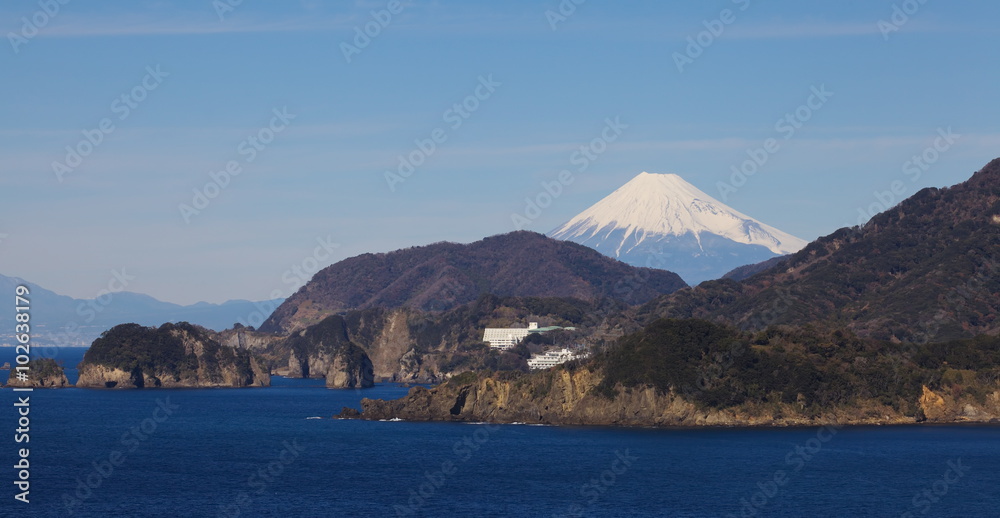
[652, 205]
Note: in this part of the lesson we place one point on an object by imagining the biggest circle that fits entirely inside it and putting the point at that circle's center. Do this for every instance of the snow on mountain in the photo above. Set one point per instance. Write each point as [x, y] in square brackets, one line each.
[662, 221]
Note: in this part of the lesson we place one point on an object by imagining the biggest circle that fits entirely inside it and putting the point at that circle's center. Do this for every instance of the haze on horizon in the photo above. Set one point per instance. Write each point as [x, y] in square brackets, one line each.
[296, 121]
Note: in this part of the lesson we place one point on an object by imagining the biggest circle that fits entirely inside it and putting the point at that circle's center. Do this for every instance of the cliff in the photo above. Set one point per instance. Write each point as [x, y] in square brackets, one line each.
[407, 345]
[325, 351]
[171, 356]
[241, 337]
[42, 373]
[390, 340]
[412, 346]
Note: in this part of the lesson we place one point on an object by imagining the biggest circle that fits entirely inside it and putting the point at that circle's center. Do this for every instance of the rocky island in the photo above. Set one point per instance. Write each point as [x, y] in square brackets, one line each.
[171, 356]
[43, 373]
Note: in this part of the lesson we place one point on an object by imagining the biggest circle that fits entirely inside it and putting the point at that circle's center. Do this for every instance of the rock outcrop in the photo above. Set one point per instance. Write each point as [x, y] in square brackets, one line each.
[171, 356]
[101, 376]
[42, 373]
[344, 373]
[325, 351]
[934, 407]
[391, 345]
[242, 337]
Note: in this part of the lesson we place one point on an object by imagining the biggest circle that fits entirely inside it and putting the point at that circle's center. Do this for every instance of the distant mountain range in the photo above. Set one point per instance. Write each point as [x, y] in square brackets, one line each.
[662, 221]
[443, 276]
[65, 321]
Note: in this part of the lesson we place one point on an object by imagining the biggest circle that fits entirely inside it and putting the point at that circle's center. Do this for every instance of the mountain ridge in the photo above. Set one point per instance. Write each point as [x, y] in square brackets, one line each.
[442, 276]
[927, 269]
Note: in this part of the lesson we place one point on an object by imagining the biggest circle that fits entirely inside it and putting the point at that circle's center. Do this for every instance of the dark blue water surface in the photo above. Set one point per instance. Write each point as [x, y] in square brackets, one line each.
[256, 452]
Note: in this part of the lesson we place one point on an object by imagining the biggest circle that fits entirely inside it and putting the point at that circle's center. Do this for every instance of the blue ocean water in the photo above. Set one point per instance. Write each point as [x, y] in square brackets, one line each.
[260, 452]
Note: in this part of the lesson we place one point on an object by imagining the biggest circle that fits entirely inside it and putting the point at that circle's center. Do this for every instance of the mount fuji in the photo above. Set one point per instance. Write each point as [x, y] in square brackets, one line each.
[662, 221]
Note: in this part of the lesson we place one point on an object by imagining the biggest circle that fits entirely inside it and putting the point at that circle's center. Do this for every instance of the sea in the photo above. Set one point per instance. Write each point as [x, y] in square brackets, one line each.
[277, 452]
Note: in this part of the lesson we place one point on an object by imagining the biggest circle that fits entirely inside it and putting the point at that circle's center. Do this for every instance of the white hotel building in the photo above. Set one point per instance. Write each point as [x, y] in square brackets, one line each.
[552, 358]
[507, 338]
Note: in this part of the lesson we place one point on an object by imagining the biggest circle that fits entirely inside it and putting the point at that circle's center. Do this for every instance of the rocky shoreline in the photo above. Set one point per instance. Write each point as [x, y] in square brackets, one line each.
[567, 398]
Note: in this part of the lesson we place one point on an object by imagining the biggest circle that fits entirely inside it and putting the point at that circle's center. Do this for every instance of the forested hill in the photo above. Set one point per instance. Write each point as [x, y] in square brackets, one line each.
[925, 270]
[442, 276]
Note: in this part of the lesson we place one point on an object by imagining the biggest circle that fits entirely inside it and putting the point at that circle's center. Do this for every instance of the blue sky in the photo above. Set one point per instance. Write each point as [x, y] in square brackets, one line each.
[555, 83]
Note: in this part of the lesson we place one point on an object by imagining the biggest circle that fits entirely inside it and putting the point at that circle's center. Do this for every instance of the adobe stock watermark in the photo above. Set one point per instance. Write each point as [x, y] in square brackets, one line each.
[697, 44]
[224, 7]
[295, 277]
[901, 14]
[104, 467]
[582, 158]
[123, 105]
[248, 149]
[796, 459]
[432, 481]
[914, 169]
[786, 127]
[593, 490]
[563, 12]
[454, 117]
[933, 493]
[260, 480]
[363, 35]
[30, 27]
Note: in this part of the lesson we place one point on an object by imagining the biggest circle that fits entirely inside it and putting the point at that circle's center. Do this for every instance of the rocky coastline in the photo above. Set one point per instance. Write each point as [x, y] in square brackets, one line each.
[571, 398]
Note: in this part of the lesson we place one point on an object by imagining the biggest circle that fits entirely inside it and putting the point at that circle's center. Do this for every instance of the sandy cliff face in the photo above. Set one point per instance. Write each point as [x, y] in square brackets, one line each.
[390, 346]
[570, 398]
[941, 407]
[100, 376]
[343, 374]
